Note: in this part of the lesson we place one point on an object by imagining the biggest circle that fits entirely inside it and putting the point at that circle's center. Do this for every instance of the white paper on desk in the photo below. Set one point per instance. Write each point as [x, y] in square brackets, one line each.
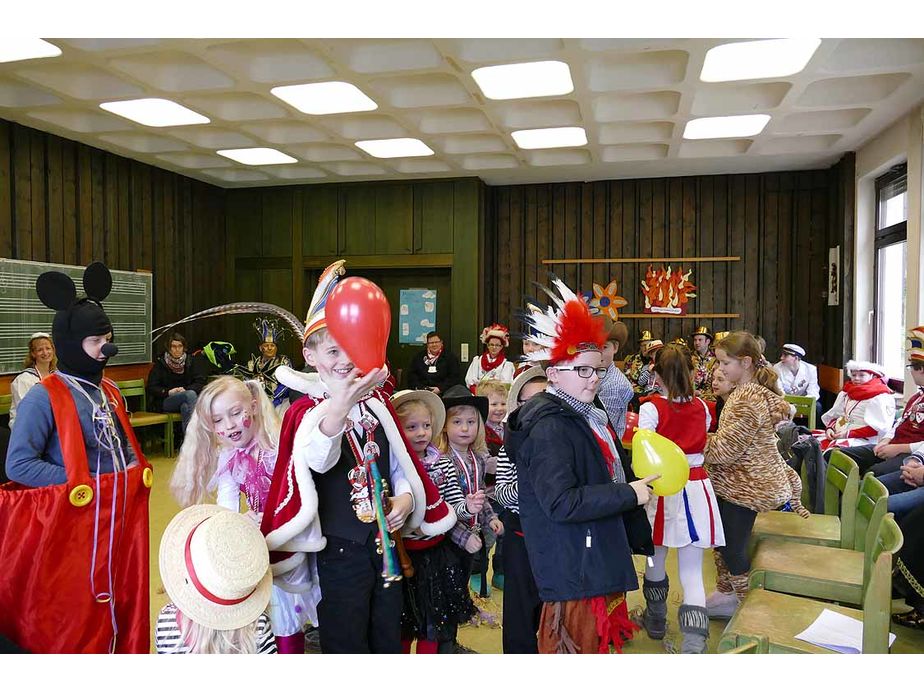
[837, 632]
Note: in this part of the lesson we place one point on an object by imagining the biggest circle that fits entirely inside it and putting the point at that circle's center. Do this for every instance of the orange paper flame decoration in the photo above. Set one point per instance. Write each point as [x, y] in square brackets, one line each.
[667, 291]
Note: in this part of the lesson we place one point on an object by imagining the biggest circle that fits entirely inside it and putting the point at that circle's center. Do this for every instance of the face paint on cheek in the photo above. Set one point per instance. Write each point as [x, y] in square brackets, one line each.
[246, 421]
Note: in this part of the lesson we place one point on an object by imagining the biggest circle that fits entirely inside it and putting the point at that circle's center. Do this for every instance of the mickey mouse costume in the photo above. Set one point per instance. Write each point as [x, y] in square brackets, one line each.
[74, 537]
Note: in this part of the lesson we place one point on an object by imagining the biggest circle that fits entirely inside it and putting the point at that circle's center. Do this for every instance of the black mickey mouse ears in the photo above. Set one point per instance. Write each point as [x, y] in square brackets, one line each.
[57, 291]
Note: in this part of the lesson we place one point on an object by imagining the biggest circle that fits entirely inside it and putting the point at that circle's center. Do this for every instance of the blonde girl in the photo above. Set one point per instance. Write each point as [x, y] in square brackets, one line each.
[230, 448]
[744, 464]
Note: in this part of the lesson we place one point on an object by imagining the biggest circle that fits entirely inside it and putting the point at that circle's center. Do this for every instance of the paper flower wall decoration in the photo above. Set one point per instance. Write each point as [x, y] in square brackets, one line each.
[607, 301]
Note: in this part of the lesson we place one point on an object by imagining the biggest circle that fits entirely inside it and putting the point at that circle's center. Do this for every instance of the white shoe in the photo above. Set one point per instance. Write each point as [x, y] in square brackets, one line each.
[722, 605]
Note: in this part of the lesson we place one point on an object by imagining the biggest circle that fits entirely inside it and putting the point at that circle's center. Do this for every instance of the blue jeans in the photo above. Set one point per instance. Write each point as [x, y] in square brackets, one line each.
[902, 497]
[182, 402]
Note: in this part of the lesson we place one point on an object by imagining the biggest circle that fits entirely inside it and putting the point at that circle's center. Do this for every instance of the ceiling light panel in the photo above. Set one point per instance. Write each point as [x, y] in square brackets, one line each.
[547, 138]
[156, 113]
[257, 156]
[758, 59]
[13, 49]
[524, 80]
[394, 148]
[324, 98]
[725, 126]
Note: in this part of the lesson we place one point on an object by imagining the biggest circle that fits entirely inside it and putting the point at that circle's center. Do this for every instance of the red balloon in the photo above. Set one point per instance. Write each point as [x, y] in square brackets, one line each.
[359, 318]
[631, 424]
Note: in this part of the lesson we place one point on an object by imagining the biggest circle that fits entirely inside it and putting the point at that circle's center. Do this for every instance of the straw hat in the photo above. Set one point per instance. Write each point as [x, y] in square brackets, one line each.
[519, 382]
[215, 567]
[430, 400]
[652, 347]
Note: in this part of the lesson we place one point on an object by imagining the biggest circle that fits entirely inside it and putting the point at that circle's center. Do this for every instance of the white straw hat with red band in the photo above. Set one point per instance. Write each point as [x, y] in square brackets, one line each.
[215, 567]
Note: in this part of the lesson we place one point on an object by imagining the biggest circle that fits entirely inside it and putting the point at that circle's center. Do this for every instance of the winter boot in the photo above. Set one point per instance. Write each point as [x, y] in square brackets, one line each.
[694, 624]
[723, 602]
[655, 616]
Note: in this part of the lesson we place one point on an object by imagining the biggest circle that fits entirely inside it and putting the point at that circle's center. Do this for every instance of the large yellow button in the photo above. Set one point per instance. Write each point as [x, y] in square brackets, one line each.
[147, 477]
[80, 495]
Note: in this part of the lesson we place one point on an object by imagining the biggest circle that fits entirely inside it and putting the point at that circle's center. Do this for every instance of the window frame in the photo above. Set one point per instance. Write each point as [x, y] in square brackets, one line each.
[890, 235]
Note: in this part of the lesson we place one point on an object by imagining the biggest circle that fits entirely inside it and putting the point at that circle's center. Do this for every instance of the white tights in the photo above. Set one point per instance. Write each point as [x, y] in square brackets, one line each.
[690, 567]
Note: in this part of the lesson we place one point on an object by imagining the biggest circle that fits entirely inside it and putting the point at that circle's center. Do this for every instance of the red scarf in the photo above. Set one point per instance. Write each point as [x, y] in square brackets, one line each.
[430, 359]
[868, 390]
[487, 364]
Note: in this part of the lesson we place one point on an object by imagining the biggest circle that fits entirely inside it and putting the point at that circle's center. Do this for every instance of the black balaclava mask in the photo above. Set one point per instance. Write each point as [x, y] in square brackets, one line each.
[78, 318]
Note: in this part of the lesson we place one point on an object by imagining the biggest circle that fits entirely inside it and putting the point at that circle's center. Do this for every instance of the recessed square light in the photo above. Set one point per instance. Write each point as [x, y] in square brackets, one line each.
[394, 148]
[725, 126]
[13, 49]
[547, 138]
[158, 113]
[257, 156]
[758, 59]
[324, 98]
[524, 80]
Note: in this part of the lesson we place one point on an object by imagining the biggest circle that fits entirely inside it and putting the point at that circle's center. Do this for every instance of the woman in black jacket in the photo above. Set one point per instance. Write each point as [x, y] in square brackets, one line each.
[435, 368]
[175, 381]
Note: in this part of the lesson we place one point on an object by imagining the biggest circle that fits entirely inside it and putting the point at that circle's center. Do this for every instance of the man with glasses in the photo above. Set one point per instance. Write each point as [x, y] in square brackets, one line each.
[435, 368]
[907, 436]
[580, 514]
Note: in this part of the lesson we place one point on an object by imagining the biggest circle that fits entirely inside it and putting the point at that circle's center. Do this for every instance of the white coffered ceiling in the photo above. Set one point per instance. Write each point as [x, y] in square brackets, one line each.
[632, 96]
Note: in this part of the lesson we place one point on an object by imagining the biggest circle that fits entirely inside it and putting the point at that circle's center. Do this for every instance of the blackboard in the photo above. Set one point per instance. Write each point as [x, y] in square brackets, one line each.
[22, 313]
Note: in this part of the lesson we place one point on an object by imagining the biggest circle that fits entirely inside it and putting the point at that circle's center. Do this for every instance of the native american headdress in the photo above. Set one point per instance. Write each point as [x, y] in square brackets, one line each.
[565, 328]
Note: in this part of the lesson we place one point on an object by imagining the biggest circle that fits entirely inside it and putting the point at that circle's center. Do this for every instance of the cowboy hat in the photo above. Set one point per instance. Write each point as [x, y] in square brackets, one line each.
[461, 396]
[430, 400]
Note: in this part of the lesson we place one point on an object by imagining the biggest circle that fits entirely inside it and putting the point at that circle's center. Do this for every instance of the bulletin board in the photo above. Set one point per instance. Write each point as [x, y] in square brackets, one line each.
[417, 315]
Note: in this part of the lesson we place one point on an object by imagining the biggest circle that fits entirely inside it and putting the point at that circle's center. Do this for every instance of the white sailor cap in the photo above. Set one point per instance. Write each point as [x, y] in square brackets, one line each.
[794, 349]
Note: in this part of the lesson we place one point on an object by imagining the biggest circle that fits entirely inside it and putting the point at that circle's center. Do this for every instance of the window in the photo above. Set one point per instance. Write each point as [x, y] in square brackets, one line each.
[890, 265]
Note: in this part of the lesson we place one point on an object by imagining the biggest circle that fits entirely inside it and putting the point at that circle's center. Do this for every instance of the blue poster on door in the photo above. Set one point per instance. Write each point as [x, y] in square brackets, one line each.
[416, 315]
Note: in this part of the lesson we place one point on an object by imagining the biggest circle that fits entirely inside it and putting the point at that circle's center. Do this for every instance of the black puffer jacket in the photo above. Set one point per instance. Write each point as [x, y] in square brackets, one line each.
[161, 380]
[580, 527]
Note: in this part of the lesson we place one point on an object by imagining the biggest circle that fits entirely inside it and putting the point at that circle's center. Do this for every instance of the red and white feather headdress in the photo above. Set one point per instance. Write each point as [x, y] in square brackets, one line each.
[564, 329]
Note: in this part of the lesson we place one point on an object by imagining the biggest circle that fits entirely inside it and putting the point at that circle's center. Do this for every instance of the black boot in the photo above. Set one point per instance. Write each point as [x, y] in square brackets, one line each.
[694, 624]
[655, 617]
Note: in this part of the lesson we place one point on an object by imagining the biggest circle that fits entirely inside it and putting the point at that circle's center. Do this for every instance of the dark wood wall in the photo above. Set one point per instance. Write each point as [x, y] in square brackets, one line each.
[65, 202]
[780, 224]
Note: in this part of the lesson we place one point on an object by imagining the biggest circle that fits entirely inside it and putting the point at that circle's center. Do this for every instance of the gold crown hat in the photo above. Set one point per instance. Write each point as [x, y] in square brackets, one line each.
[680, 341]
[645, 336]
[316, 319]
[703, 330]
[916, 350]
[719, 336]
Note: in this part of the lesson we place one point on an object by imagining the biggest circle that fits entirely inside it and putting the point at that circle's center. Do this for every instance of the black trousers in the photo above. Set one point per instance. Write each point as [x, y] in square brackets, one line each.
[522, 606]
[738, 522]
[863, 455]
[357, 614]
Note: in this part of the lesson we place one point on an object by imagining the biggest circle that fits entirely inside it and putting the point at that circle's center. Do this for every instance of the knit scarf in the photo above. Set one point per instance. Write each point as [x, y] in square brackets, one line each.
[867, 390]
[177, 366]
[596, 419]
[430, 359]
[489, 364]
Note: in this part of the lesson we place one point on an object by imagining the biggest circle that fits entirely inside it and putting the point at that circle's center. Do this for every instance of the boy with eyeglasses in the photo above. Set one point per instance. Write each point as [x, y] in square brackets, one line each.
[580, 513]
[907, 435]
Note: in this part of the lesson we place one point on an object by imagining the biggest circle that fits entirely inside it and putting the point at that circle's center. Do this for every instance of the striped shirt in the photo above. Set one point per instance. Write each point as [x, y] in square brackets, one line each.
[167, 634]
[505, 489]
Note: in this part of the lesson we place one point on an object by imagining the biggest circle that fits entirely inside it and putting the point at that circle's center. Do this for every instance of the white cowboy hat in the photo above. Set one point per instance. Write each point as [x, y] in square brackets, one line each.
[215, 567]
[430, 400]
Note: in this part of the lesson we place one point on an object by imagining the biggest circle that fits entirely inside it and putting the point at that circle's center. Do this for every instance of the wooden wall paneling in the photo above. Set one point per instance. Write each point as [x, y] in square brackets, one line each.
[174, 275]
[802, 290]
[504, 271]
[295, 249]
[819, 267]
[71, 244]
[614, 243]
[705, 281]
[84, 206]
[111, 211]
[98, 204]
[586, 274]
[320, 220]
[6, 188]
[645, 248]
[39, 196]
[187, 230]
[544, 242]
[769, 258]
[736, 233]
[531, 255]
[159, 249]
[277, 222]
[571, 219]
[602, 274]
[845, 214]
[126, 233]
[750, 263]
[516, 263]
[55, 207]
[146, 198]
[22, 195]
[688, 245]
[785, 265]
[721, 271]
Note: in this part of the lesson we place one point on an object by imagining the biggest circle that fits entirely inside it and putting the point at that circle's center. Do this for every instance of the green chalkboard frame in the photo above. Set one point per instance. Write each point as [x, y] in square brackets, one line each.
[129, 306]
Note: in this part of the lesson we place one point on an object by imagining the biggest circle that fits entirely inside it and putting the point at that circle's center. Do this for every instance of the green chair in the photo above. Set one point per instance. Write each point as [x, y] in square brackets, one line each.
[805, 406]
[780, 617]
[841, 490]
[6, 401]
[825, 572]
[142, 418]
[750, 644]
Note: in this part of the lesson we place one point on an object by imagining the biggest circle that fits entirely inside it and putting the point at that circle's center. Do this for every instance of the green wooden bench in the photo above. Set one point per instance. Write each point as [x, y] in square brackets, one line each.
[142, 418]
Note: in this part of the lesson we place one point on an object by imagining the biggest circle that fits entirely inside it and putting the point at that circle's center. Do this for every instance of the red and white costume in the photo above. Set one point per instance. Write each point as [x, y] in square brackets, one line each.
[692, 515]
[863, 413]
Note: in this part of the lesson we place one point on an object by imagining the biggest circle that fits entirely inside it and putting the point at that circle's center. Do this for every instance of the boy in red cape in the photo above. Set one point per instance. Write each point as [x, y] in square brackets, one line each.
[319, 485]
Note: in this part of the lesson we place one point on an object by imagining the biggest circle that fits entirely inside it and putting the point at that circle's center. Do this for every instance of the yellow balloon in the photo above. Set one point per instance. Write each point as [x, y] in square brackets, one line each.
[652, 453]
